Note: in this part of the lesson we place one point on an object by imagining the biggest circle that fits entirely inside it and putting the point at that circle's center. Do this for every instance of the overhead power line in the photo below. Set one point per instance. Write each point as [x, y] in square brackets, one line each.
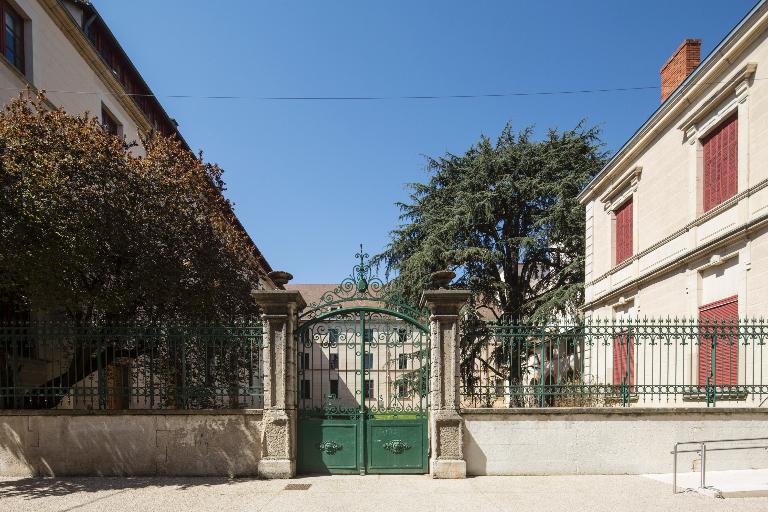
[347, 98]
[370, 98]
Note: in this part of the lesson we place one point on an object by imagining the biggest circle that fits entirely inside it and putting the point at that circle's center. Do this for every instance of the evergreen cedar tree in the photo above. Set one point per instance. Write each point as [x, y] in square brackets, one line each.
[505, 218]
[92, 229]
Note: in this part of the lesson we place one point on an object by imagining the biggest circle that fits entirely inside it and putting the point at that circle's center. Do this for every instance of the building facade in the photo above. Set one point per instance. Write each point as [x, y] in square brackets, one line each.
[677, 221]
[65, 48]
[677, 228]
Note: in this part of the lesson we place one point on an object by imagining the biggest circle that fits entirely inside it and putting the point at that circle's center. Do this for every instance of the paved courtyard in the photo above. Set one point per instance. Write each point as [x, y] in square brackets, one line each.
[354, 493]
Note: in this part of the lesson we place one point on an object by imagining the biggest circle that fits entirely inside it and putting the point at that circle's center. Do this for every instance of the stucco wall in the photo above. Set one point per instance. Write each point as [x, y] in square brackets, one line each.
[55, 65]
[669, 221]
[191, 443]
[611, 441]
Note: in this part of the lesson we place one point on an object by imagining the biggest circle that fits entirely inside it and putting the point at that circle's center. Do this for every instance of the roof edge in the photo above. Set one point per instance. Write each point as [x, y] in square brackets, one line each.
[674, 98]
[90, 9]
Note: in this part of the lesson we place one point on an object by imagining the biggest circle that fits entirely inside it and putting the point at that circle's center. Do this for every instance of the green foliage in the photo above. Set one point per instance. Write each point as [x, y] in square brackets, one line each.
[505, 217]
[106, 231]
[103, 229]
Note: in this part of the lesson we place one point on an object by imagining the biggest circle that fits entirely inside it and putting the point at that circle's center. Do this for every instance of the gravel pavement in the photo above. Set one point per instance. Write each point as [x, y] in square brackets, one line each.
[359, 494]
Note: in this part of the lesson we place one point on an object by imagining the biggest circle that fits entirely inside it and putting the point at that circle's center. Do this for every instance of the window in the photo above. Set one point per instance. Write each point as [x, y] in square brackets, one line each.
[21, 347]
[118, 377]
[402, 335]
[402, 390]
[109, 123]
[21, 344]
[402, 362]
[623, 360]
[333, 335]
[303, 360]
[333, 361]
[306, 389]
[13, 36]
[624, 232]
[368, 336]
[369, 389]
[367, 361]
[720, 163]
[498, 388]
[334, 391]
[719, 332]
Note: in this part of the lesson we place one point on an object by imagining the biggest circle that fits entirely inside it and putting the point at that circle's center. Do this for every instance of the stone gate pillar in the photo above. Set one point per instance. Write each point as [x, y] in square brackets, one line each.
[446, 427]
[280, 310]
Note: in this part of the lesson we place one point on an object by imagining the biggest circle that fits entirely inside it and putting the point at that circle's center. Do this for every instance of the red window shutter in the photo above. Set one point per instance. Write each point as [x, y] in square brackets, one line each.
[718, 328]
[623, 360]
[721, 151]
[624, 232]
[732, 146]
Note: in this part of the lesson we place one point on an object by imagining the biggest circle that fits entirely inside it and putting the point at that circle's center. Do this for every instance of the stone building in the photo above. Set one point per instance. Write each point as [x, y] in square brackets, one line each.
[677, 219]
[677, 224]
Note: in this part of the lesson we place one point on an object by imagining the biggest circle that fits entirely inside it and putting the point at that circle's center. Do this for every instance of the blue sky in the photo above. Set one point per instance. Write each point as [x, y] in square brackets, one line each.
[311, 180]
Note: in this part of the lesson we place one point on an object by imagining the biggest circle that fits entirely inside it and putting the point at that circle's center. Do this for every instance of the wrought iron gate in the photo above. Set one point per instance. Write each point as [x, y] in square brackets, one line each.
[363, 375]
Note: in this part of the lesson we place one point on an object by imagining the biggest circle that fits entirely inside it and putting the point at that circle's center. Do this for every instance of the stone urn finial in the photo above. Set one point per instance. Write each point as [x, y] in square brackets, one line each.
[280, 278]
[442, 278]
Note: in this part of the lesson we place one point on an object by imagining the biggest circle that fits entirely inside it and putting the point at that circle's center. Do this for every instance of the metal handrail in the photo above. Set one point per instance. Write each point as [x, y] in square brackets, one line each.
[702, 450]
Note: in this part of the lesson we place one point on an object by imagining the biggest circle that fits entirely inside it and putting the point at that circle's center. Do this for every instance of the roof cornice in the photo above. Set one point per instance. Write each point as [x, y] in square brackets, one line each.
[724, 54]
[64, 20]
[68, 25]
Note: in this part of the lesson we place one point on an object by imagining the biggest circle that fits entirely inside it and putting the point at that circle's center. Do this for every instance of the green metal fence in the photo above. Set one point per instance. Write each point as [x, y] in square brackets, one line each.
[598, 363]
[46, 365]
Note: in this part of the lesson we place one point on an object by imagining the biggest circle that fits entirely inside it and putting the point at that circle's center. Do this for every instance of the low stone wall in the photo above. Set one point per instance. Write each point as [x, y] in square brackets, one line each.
[135, 443]
[604, 441]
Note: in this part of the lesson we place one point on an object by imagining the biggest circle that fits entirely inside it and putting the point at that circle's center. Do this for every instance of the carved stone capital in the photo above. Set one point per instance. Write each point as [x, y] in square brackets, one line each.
[445, 302]
[279, 302]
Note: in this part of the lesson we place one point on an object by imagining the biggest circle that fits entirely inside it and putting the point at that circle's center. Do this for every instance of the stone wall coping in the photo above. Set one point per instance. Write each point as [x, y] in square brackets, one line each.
[616, 411]
[277, 298]
[444, 302]
[131, 412]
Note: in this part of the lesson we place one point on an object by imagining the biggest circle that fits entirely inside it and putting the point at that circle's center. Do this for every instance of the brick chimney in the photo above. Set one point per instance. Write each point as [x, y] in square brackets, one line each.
[679, 66]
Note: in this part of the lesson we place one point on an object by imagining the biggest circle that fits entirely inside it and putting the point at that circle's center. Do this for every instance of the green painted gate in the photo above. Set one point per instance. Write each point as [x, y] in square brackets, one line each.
[363, 375]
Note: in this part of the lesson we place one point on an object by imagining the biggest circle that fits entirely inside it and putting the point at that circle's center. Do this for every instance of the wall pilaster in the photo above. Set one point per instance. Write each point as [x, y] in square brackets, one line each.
[280, 310]
[445, 422]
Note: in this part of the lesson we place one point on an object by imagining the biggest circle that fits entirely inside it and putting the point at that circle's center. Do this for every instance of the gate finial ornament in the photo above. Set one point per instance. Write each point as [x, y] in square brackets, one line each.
[361, 287]
[442, 278]
[362, 271]
[280, 278]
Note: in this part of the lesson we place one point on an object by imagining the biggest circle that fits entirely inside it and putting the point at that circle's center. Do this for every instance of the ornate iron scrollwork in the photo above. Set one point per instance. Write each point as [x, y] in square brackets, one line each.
[362, 286]
[396, 446]
[329, 447]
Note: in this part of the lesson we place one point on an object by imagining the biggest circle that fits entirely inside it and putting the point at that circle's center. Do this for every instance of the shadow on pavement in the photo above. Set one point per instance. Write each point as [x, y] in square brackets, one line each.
[32, 488]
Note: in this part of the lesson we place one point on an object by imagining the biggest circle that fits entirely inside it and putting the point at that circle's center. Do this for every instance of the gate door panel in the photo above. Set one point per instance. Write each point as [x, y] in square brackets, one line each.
[397, 446]
[363, 375]
[328, 446]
